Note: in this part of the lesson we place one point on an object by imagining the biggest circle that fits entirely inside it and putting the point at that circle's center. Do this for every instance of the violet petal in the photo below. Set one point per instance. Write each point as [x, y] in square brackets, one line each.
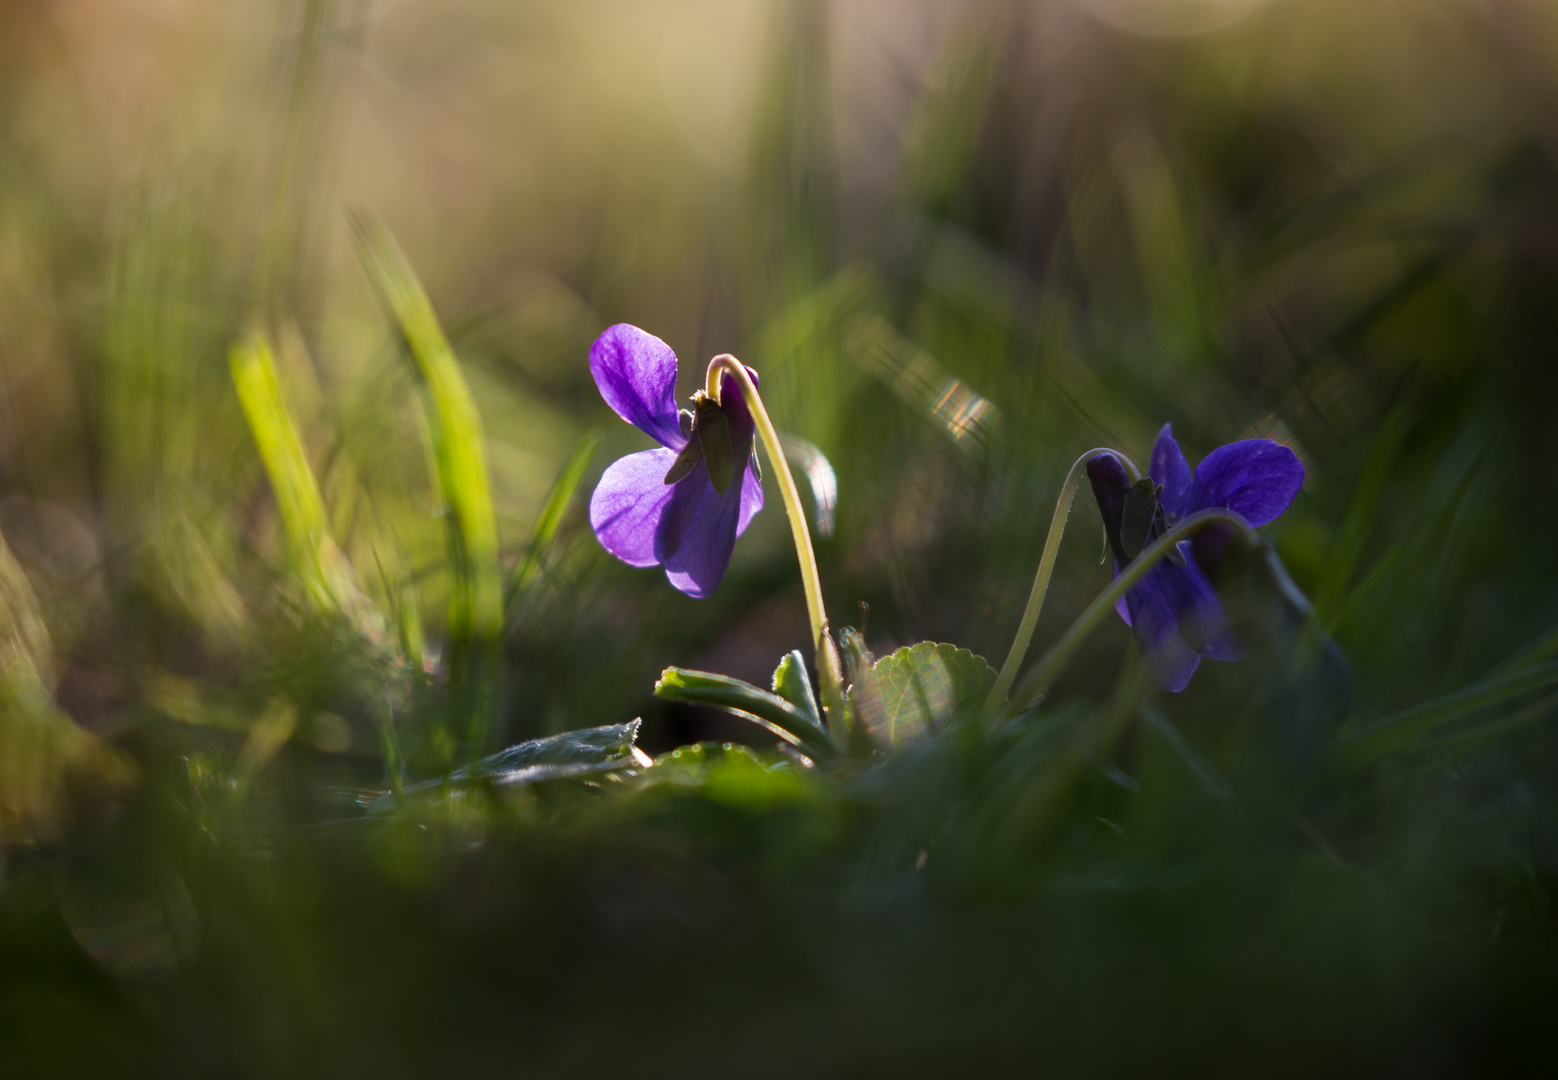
[1257, 478]
[751, 497]
[1168, 468]
[1170, 660]
[1202, 623]
[1110, 485]
[703, 550]
[636, 374]
[629, 504]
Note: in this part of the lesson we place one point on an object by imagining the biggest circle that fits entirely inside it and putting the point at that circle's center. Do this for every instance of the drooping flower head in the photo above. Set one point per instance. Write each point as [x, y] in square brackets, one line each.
[682, 505]
[1174, 611]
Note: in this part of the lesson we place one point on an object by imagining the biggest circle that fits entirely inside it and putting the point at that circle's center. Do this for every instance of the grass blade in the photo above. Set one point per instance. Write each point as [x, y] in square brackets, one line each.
[551, 515]
[457, 445]
[298, 500]
[1399, 729]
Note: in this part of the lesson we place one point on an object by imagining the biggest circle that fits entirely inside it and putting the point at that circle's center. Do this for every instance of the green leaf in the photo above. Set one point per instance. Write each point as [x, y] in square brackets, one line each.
[922, 687]
[586, 752]
[793, 684]
[762, 707]
[732, 775]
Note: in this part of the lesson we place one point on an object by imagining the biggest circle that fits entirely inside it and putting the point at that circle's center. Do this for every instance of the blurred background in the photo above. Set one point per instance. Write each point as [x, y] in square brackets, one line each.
[962, 242]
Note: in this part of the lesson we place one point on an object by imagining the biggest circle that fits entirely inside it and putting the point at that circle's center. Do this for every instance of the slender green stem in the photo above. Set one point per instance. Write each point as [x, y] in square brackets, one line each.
[1033, 688]
[829, 673]
[1057, 529]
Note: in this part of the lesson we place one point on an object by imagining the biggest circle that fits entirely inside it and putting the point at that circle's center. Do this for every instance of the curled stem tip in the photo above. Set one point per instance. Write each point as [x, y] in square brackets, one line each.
[829, 672]
[1057, 528]
[1033, 688]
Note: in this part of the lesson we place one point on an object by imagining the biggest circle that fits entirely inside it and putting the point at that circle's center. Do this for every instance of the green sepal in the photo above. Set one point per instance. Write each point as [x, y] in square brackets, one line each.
[793, 684]
[685, 462]
[762, 707]
[1138, 516]
[713, 431]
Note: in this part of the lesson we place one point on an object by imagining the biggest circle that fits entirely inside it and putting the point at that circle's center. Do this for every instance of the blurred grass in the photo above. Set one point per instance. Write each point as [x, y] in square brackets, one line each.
[255, 586]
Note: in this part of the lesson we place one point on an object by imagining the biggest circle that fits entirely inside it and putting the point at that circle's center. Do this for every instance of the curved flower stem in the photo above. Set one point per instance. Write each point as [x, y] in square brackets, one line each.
[1033, 688]
[1057, 529]
[829, 673]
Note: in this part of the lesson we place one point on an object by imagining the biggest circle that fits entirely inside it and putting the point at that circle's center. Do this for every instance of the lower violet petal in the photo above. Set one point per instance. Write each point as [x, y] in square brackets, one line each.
[698, 563]
[1170, 660]
[1198, 611]
[1122, 607]
[629, 503]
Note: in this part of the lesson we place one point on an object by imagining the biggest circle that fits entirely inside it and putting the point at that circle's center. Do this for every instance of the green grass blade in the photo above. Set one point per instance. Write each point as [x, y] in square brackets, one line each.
[298, 500]
[551, 516]
[1331, 598]
[1400, 729]
[457, 446]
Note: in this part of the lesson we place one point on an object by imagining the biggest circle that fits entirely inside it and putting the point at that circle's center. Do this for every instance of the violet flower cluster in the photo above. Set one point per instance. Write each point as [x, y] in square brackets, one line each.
[1175, 612]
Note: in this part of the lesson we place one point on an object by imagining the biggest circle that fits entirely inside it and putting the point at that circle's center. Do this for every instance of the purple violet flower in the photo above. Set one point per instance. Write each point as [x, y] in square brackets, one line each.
[683, 505]
[1174, 611]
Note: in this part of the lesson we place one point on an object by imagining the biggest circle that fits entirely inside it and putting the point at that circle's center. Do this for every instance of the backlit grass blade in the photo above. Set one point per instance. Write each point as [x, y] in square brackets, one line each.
[457, 447]
[551, 515]
[298, 501]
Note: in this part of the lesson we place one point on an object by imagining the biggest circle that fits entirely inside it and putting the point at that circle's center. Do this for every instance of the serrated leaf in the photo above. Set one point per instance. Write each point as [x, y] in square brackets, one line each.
[793, 684]
[924, 686]
[762, 707]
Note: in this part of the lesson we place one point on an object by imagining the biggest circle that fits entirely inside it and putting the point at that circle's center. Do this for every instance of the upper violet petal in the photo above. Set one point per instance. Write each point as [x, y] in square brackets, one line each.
[629, 504]
[1168, 468]
[1257, 478]
[1170, 660]
[636, 374]
[1110, 484]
